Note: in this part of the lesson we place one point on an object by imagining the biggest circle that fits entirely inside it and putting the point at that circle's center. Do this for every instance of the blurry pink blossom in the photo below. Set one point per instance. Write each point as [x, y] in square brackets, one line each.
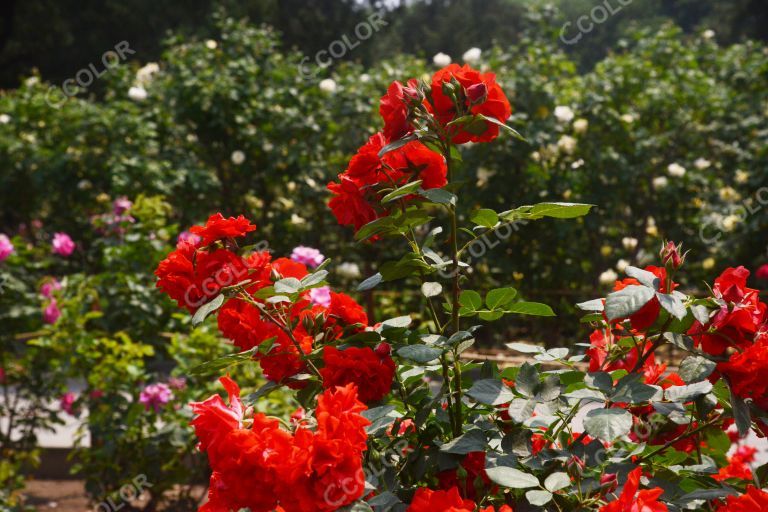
[51, 313]
[121, 205]
[49, 286]
[309, 256]
[155, 396]
[6, 247]
[190, 238]
[762, 272]
[67, 401]
[62, 244]
[177, 383]
[321, 296]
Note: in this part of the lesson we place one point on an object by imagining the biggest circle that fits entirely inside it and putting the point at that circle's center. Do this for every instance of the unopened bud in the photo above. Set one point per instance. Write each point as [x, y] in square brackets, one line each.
[670, 255]
[608, 482]
[383, 349]
[575, 466]
[477, 93]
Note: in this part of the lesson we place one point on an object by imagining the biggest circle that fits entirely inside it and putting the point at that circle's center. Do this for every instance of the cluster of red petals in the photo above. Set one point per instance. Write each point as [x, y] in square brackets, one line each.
[259, 466]
[747, 371]
[395, 107]
[739, 319]
[480, 95]
[738, 465]
[371, 372]
[755, 499]
[356, 195]
[427, 500]
[194, 273]
[633, 500]
[474, 468]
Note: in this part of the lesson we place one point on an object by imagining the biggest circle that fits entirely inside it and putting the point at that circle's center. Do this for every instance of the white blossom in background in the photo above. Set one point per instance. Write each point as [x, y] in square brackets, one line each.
[622, 265]
[708, 34]
[651, 228]
[441, 59]
[211, 44]
[629, 243]
[328, 85]
[5, 119]
[729, 194]
[32, 81]
[741, 176]
[145, 74]
[676, 170]
[578, 163]
[660, 182]
[472, 56]
[297, 220]
[566, 144]
[365, 78]
[729, 222]
[702, 163]
[608, 277]
[708, 263]
[580, 125]
[349, 270]
[137, 93]
[237, 157]
[628, 118]
[564, 113]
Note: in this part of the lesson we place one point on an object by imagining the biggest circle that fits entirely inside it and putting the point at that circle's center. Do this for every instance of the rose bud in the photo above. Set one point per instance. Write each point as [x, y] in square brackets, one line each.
[477, 93]
[575, 466]
[608, 482]
[383, 349]
[670, 255]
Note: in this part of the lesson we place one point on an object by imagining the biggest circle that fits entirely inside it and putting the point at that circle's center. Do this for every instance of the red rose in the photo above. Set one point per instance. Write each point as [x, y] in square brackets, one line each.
[349, 204]
[427, 500]
[762, 272]
[218, 228]
[755, 499]
[474, 468]
[631, 499]
[360, 366]
[747, 370]
[283, 360]
[488, 100]
[647, 315]
[347, 309]
[395, 107]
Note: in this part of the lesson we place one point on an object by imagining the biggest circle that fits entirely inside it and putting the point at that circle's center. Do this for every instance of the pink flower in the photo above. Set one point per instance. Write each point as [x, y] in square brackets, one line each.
[155, 396]
[309, 256]
[762, 272]
[190, 238]
[48, 287]
[177, 383]
[121, 205]
[62, 244]
[6, 247]
[66, 402]
[96, 394]
[51, 313]
[321, 296]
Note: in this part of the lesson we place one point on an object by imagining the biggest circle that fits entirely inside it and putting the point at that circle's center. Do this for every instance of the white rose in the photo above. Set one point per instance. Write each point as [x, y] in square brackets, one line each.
[328, 85]
[702, 163]
[708, 34]
[608, 277]
[5, 119]
[730, 222]
[580, 125]
[564, 114]
[145, 74]
[472, 55]
[628, 118]
[566, 144]
[622, 265]
[629, 243]
[441, 59]
[211, 44]
[729, 194]
[137, 93]
[676, 170]
[349, 270]
[237, 157]
[741, 176]
[365, 77]
[660, 182]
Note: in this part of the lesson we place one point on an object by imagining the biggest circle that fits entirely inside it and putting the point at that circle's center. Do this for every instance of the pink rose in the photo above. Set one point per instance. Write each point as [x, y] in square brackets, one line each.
[62, 244]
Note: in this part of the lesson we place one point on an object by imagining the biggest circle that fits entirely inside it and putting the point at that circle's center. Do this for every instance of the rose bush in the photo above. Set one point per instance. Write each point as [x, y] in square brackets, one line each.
[391, 416]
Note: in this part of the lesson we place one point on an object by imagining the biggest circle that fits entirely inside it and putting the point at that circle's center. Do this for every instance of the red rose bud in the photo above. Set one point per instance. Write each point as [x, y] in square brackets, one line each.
[383, 349]
[412, 94]
[608, 482]
[477, 93]
[575, 466]
[670, 255]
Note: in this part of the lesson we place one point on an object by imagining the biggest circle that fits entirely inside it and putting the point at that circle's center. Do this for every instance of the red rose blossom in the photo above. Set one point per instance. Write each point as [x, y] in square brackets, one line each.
[371, 373]
[218, 228]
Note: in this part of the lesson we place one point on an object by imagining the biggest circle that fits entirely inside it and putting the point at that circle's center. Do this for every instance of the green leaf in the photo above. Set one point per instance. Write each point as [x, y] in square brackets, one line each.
[471, 300]
[405, 190]
[627, 301]
[511, 478]
[530, 308]
[552, 210]
[538, 498]
[399, 322]
[504, 126]
[500, 297]
[608, 424]
[371, 282]
[484, 217]
[490, 392]
[377, 227]
[406, 266]
[673, 304]
[419, 353]
[688, 392]
[525, 348]
[289, 285]
[314, 279]
[472, 441]
[397, 144]
[740, 412]
[696, 368]
[630, 390]
[527, 380]
[431, 289]
[218, 364]
[207, 308]
[439, 196]
[557, 481]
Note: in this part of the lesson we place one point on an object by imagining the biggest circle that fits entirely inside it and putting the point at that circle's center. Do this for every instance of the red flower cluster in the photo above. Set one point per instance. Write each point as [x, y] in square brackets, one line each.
[427, 500]
[631, 500]
[738, 465]
[739, 319]
[455, 92]
[370, 372]
[473, 467]
[259, 466]
[754, 500]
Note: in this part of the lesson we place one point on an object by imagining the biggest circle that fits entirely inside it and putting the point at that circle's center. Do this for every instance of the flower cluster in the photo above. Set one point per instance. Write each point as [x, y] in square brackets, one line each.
[259, 466]
[460, 104]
